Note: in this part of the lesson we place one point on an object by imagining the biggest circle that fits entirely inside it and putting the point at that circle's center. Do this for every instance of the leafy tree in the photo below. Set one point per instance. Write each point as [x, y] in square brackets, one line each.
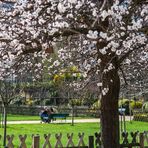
[96, 35]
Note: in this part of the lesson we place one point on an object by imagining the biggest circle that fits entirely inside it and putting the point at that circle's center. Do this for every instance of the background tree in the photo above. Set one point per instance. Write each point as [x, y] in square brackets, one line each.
[99, 35]
[9, 91]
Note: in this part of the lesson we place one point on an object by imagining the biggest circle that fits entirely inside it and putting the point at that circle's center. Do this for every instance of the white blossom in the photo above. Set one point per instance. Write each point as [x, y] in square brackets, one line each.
[92, 34]
[56, 63]
[99, 84]
[128, 61]
[61, 8]
[99, 61]
[72, 1]
[104, 14]
[118, 52]
[103, 35]
[105, 91]
[103, 51]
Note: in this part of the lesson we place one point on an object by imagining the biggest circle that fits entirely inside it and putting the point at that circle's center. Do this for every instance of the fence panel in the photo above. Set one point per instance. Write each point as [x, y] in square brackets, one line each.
[130, 140]
[22, 141]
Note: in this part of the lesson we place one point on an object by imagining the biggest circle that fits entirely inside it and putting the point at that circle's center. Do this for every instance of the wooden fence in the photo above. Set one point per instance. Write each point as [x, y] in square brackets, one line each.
[47, 143]
[137, 140]
[134, 139]
[129, 140]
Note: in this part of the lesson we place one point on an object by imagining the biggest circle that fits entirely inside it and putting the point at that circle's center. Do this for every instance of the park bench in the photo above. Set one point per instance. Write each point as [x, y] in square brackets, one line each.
[58, 115]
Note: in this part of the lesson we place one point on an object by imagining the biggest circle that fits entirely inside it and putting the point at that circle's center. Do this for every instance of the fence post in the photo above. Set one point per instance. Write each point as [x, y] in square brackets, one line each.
[36, 141]
[141, 140]
[91, 142]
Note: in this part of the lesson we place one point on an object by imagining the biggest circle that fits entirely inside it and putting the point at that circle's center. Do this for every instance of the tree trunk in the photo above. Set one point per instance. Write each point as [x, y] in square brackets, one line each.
[5, 125]
[109, 109]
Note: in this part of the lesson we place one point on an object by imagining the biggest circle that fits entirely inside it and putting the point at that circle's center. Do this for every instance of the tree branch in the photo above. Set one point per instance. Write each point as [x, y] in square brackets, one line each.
[123, 74]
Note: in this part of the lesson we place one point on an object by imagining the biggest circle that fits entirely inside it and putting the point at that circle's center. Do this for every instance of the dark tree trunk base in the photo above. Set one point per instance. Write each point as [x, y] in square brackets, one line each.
[109, 110]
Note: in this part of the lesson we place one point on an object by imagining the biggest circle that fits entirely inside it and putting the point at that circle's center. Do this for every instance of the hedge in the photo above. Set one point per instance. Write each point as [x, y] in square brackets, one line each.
[141, 117]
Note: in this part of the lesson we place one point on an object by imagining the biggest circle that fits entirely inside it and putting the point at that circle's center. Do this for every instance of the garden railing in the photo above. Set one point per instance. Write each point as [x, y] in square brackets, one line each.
[129, 140]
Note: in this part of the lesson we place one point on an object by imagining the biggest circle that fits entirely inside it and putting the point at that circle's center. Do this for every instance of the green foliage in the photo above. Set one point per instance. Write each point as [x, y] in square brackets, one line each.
[131, 103]
[96, 105]
[145, 107]
[68, 74]
[36, 102]
[18, 101]
[47, 102]
[58, 78]
[76, 102]
[123, 102]
[37, 85]
[136, 104]
[29, 102]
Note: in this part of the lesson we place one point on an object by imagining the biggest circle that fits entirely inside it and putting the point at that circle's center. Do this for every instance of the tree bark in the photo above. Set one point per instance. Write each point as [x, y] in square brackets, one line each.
[109, 109]
[5, 125]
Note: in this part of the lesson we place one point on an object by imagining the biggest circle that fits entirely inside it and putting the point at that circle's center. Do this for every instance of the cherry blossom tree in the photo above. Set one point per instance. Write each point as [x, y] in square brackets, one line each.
[96, 35]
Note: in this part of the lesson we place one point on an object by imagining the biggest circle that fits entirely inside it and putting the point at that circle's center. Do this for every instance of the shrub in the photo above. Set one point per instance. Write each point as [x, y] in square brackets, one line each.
[47, 102]
[136, 104]
[29, 102]
[141, 117]
[36, 102]
[75, 102]
[96, 105]
[145, 107]
[18, 101]
[123, 102]
[133, 104]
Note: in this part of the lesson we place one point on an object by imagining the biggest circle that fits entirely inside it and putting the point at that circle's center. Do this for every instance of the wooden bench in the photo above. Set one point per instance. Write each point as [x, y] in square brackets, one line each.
[58, 115]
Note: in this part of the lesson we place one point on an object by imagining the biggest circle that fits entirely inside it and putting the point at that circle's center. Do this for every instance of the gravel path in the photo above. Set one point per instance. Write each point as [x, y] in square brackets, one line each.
[127, 118]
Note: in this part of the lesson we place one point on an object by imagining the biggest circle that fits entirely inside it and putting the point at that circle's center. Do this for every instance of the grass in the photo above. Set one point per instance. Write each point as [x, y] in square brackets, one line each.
[137, 126]
[21, 117]
[11, 117]
[41, 129]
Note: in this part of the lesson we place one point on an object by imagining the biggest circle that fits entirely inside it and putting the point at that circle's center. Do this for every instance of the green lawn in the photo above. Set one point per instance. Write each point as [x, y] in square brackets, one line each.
[41, 129]
[21, 117]
[28, 118]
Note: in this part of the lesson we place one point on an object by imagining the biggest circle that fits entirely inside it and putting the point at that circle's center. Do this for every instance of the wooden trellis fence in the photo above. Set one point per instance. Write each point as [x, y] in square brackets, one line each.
[47, 143]
[129, 140]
